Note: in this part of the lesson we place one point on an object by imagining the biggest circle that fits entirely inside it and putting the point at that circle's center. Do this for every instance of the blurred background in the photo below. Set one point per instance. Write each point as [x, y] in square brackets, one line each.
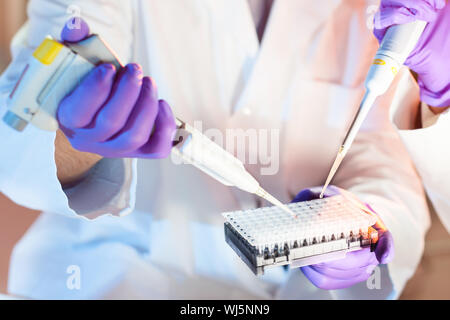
[432, 278]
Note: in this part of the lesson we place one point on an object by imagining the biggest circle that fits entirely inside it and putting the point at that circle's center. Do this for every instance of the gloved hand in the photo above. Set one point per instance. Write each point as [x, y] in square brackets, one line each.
[431, 56]
[115, 113]
[357, 266]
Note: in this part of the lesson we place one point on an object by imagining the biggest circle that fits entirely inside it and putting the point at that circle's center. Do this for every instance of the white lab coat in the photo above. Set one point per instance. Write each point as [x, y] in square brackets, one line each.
[306, 79]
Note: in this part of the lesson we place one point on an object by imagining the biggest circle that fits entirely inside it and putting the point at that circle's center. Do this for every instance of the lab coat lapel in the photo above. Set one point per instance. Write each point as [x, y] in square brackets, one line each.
[284, 46]
[235, 47]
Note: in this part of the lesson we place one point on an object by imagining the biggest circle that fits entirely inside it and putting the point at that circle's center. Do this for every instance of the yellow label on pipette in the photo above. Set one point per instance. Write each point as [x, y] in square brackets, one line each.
[47, 51]
[379, 62]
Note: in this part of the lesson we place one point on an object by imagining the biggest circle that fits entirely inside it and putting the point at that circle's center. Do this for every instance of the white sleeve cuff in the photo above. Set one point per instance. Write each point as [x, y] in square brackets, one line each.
[28, 176]
[109, 188]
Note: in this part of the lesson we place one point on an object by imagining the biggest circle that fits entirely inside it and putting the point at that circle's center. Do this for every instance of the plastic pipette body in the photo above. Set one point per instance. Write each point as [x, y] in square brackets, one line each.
[397, 45]
[197, 149]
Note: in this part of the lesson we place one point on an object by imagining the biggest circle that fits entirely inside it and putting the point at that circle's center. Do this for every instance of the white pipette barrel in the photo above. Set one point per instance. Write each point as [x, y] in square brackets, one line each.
[195, 148]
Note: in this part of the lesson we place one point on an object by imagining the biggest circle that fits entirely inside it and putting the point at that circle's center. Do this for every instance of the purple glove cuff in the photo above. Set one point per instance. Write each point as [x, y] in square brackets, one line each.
[440, 99]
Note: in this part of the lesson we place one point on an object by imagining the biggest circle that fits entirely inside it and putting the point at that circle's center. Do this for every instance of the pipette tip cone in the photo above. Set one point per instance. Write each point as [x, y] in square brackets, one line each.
[264, 194]
[333, 170]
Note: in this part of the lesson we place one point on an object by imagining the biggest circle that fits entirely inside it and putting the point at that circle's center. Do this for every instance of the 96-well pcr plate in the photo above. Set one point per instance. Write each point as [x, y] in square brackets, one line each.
[323, 229]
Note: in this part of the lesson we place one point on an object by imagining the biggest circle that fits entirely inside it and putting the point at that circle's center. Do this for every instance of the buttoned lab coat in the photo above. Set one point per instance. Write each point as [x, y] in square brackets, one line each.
[304, 81]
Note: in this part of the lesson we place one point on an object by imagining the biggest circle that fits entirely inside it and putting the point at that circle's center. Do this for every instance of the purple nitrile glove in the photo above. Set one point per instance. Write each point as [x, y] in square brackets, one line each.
[431, 57]
[115, 114]
[357, 266]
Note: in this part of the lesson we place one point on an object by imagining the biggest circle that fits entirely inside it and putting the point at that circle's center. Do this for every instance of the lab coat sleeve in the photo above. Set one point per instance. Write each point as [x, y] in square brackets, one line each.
[379, 170]
[428, 146]
[27, 168]
[64, 258]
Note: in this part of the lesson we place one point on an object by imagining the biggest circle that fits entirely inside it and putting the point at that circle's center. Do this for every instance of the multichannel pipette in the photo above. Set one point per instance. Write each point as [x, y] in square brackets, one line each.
[395, 48]
[54, 70]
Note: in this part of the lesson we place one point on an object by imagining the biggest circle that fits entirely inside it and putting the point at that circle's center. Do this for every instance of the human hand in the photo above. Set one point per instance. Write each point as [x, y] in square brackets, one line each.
[115, 113]
[431, 55]
[357, 266]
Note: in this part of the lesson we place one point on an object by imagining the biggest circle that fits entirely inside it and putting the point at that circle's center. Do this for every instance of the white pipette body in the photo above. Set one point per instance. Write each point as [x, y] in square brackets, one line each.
[198, 150]
[397, 45]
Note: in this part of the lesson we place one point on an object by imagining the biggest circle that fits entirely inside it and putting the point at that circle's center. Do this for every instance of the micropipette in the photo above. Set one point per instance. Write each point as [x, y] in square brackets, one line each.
[395, 48]
[56, 68]
[195, 148]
